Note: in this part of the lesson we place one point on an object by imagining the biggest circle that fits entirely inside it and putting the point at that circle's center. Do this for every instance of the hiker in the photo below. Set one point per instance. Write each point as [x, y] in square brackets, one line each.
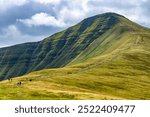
[10, 79]
[19, 83]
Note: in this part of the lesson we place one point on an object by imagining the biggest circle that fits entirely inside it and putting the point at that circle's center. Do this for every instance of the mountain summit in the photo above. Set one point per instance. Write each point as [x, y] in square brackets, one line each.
[96, 36]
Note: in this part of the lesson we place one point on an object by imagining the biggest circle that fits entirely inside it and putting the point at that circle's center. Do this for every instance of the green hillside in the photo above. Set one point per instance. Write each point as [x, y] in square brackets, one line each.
[103, 57]
[57, 50]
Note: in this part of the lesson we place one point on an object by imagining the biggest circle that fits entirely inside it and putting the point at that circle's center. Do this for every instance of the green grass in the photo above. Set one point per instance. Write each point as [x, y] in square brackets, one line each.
[119, 73]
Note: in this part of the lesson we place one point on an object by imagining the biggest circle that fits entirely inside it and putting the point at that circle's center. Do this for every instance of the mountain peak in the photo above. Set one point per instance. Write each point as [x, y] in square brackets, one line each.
[109, 17]
[106, 15]
[111, 14]
[99, 22]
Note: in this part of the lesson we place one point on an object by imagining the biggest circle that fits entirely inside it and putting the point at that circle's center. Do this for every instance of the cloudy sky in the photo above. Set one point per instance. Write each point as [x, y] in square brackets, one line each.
[32, 20]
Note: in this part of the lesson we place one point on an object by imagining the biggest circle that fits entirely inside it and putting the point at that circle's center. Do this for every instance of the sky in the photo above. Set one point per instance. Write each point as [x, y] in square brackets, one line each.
[32, 20]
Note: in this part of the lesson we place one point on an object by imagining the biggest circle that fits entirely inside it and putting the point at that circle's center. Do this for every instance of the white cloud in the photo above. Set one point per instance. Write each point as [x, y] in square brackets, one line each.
[42, 19]
[70, 15]
[11, 36]
[72, 11]
[48, 1]
[5, 4]
[10, 3]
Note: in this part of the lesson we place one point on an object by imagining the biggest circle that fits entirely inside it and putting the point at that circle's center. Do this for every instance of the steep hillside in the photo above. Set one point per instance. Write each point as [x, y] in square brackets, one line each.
[122, 72]
[59, 49]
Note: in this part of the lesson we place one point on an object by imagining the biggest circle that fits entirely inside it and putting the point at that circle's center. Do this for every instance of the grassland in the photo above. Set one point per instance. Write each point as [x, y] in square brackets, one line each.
[109, 76]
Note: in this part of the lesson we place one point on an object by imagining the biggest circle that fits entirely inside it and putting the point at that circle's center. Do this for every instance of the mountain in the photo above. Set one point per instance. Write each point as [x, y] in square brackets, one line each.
[103, 57]
[57, 50]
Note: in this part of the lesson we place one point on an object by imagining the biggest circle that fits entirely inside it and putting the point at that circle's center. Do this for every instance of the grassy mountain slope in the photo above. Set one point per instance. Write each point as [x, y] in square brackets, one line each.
[113, 64]
[57, 50]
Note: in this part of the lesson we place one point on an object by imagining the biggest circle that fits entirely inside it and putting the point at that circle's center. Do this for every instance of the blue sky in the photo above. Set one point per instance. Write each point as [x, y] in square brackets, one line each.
[32, 20]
